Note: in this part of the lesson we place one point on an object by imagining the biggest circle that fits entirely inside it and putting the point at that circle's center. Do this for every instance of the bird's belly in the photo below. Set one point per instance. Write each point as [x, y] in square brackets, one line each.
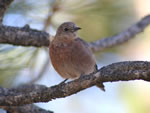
[71, 60]
[61, 61]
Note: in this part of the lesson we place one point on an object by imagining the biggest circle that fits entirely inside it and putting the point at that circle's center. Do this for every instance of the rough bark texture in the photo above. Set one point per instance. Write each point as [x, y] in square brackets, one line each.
[121, 37]
[24, 109]
[23, 36]
[26, 36]
[3, 7]
[12, 98]
[122, 71]
[9, 109]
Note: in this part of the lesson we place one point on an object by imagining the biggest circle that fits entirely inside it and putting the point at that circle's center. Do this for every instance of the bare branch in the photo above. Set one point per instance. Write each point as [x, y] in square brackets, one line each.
[23, 36]
[25, 109]
[21, 109]
[29, 37]
[11, 98]
[3, 6]
[122, 71]
[121, 37]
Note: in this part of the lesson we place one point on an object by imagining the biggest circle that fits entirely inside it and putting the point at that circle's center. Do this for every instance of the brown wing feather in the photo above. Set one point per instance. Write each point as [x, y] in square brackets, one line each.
[82, 57]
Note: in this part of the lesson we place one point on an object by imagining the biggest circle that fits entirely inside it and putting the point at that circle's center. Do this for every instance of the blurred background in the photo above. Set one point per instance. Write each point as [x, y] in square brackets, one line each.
[98, 19]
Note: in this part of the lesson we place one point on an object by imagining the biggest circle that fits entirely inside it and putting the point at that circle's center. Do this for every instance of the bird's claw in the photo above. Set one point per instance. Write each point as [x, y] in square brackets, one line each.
[63, 81]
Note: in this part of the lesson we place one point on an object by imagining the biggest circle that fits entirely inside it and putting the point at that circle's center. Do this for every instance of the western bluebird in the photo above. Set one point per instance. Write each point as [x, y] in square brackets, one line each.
[71, 56]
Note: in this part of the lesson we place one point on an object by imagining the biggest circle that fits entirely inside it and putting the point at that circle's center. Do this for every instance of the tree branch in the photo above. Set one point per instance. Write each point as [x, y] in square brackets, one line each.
[3, 6]
[25, 109]
[26, 36]
[27, 94]
[121, 37]
[122, 71]
[23, 36]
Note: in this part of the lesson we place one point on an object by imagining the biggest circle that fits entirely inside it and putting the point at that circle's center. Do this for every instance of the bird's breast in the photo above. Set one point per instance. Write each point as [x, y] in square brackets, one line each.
[71, 59]
[60, 55]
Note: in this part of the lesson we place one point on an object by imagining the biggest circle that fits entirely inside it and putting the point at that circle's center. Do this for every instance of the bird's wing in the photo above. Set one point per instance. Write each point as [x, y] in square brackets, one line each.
[86, 60]
[82, 57]
[79, 40]
[87, 46]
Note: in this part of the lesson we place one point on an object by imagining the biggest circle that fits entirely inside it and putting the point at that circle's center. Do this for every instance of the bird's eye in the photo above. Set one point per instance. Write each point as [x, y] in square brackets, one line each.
[66, 29]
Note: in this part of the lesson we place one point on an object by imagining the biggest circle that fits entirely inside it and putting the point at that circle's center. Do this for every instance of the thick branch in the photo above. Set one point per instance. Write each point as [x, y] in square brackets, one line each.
[122, 71]
[121, 37]
[24, 109]
[3, 6]
[23, 36]
[29, 37]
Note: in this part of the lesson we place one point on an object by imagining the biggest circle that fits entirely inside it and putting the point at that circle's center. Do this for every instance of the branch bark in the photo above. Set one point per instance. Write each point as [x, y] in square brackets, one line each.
[122, 71]
[12, 99]
[26, 36]
[3, 7]
[25, 109]
[121, 37]
[19, 109]
[23, 36]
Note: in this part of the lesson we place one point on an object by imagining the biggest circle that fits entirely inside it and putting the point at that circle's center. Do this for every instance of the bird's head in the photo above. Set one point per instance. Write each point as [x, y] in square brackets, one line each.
[67, 29]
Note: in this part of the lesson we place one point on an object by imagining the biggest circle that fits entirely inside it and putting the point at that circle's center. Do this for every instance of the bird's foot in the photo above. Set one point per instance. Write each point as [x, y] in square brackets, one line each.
[63, 81]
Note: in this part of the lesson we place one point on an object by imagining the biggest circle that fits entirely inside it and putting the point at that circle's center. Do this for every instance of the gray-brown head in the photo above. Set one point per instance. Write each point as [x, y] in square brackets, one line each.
[67, 29]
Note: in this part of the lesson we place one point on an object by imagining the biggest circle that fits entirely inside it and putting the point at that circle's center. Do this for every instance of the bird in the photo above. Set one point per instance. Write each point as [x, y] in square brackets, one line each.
[71, 56]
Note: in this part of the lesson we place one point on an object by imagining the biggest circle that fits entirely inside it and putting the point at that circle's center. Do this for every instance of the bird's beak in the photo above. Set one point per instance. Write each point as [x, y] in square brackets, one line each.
[77, 28]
